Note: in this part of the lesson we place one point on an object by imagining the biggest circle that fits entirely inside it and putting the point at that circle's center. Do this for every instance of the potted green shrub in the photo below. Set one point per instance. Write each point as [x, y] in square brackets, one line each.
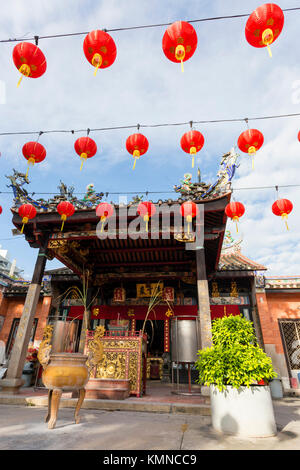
[237, 371]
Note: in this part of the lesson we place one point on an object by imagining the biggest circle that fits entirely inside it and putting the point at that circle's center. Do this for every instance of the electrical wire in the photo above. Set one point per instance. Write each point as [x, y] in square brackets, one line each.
[111, 193]
[135, 126]
[128, 28]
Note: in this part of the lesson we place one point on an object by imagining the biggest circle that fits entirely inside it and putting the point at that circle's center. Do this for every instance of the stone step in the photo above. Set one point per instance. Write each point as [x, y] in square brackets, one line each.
[107, 393]
[110, 405]
[112, 383]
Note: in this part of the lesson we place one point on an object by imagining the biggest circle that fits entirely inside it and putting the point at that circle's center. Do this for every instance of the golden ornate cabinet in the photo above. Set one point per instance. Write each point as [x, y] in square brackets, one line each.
[124, 357]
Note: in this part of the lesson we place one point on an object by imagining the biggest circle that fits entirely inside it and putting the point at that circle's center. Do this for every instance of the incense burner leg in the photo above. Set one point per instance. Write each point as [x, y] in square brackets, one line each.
[49, 405]
[56, 394]
[79, 403]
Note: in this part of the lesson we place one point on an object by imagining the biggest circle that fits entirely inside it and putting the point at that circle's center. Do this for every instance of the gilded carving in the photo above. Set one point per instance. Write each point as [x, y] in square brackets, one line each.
[56, 244]
[133, 369]
[45, 346]
[95, 349]
[112, 366]
[120, 344]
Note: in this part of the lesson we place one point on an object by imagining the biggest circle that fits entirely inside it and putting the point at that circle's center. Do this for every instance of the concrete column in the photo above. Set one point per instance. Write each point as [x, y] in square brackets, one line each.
[204, 316]
[13, 381]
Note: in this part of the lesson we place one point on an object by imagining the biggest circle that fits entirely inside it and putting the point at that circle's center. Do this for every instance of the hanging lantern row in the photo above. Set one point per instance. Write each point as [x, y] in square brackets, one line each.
[146, 209]
[137, 145]
[249, 142]
[179, 43]
[281, 207]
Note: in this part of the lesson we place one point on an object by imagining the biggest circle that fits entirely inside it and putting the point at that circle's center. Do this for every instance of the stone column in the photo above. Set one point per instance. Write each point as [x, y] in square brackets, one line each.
[13, 382]
[204, 316]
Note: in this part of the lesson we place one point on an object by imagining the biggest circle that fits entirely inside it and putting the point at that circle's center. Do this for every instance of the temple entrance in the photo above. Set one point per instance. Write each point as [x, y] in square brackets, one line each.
[155, 347]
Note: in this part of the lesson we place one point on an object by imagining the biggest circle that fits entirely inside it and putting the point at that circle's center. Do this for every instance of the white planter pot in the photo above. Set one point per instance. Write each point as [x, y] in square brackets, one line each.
[245, 412]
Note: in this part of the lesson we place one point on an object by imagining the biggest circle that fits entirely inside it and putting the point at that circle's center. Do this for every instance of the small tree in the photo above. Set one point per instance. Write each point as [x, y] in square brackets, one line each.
[235, 358]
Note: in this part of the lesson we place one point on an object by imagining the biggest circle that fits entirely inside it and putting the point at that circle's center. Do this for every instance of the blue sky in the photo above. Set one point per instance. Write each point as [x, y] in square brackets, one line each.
[226, 78]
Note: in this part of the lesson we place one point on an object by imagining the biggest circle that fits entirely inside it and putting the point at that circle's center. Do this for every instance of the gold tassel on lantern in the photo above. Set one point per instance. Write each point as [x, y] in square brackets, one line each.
[284, 218]
[24, 70]
[252, 152]
[146, 219]
[24, 221]
[193, 152]
[63, 218]
[189, 219]
[103, 219]
[236, 219]
[136, 156]
[31, 161]
[267, 39]
[83, 157]
[96, 62]
[180, 54]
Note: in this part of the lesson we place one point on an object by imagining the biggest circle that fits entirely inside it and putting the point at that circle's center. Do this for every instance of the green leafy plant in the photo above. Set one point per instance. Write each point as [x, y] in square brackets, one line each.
[235, 358]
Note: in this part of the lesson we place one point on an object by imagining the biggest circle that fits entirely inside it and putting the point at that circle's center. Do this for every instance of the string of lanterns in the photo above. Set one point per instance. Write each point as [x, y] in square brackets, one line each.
[179, 43]
[191, 142]
[282, 208]
[146, 209]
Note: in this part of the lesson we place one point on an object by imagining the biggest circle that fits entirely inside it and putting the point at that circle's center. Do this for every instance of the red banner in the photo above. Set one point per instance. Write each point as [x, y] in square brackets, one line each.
[219, 311]
[161, 312]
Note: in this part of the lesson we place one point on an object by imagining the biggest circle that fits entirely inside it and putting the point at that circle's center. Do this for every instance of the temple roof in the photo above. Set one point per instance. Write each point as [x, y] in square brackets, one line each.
[232, 259]
[236, 261]
[281, 282]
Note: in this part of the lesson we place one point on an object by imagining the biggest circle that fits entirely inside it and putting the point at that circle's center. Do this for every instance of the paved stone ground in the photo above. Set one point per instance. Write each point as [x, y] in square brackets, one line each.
[23, 428]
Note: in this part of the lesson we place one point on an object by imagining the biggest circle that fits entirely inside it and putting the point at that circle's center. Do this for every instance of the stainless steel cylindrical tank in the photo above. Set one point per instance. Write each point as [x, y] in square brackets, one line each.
[184, 340]
[64, 336]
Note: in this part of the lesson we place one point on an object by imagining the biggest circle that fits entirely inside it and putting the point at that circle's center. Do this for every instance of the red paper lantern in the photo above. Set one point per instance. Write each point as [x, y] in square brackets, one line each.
[146, 209]
[189, 210]
[104, 210]
[250, 141]
[282, 207]
[264, 25]
[299, 136]
[179, 42]
[34, 152]
[235, 210]
[29, 60]
[99, 49]
[26, 211]
[137, 145]
[85, 147]
[65, 209]
[192, 142]
[0, 210]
